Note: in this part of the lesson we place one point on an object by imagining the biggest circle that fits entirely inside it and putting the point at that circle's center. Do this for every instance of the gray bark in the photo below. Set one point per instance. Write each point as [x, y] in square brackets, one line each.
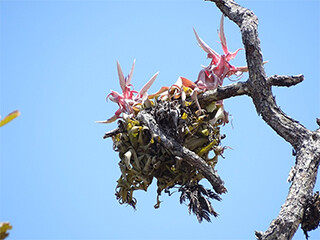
[305, 142]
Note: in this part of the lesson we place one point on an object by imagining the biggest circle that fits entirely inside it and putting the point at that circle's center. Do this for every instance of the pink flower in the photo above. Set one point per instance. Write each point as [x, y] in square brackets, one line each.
[213, 75]
[129, 101]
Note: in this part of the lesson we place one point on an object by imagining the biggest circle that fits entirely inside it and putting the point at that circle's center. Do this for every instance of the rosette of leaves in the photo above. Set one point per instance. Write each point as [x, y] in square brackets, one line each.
[143, 158]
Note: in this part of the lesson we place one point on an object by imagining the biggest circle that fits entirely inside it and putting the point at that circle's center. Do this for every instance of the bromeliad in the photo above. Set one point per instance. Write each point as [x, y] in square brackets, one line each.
[212, 76]
[219, 68]
[129, 101]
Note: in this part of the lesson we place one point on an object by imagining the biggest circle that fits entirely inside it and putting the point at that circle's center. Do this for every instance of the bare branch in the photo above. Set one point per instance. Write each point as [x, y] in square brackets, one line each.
[305, 142]
[292, 211]
[241, 88]
[259, 89]
[284, 81]
[232, 90]
[112, 133]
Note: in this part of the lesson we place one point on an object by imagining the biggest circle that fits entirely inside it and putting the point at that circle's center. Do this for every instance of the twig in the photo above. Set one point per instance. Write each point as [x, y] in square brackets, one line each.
[285, 81]
[112, 133]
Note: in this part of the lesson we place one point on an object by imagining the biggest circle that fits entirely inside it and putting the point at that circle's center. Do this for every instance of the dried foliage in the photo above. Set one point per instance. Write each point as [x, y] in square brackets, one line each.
[199, 200]
[4, 227]
[143, 157]
[311, 217]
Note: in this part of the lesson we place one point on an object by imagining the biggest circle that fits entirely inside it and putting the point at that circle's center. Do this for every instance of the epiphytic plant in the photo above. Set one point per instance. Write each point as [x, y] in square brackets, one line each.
[179, 116]
[170, 138]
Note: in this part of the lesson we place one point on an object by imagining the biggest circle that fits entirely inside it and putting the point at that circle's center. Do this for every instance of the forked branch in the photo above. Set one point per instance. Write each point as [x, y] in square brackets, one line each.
[305, 142]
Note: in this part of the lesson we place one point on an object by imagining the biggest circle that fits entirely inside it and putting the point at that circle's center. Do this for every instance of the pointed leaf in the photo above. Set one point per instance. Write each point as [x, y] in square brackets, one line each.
[245, 68]
[242, 69]
[113, 118]
[146, 87]
[162, 90]
[223, 37]
[4, 227]
[215, 56]
[229, 55]
[130, 74]
[9, 117]
[187, 83]
[121, 77]
[110, 120]
[232, 55]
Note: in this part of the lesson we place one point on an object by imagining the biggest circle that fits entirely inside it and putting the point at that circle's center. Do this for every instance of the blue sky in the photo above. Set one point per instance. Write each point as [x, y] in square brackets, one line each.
[58, 63]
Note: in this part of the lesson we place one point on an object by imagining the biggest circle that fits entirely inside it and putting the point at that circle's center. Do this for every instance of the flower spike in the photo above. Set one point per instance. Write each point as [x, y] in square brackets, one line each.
[223, 37]
[211, 53]
[213, 75]
[143, 92]
[122, 79]
[131, 73]
[129, 101]
[229, 55]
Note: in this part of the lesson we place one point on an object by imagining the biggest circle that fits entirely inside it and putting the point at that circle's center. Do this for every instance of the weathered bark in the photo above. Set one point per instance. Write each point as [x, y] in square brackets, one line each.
[242, 88]
[305, 142]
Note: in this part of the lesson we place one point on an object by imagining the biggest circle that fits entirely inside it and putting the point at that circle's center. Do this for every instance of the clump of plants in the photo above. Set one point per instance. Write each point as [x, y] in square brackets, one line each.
[177, 118]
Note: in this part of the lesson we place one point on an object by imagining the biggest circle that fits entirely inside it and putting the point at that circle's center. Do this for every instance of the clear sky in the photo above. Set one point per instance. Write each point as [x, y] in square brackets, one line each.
[58, 63]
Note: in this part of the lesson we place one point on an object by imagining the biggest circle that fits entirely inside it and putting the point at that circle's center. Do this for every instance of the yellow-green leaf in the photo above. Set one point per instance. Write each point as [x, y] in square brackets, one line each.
[4, 227]
[184, 116]
[9, 117]
[211, 107]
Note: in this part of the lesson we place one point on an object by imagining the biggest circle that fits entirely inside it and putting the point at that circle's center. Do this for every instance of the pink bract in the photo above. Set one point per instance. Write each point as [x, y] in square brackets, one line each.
[129, 100]
[213, 75]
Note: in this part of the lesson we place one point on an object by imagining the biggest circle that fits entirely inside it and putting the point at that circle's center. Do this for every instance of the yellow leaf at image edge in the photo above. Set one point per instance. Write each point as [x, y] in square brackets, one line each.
[9, 117]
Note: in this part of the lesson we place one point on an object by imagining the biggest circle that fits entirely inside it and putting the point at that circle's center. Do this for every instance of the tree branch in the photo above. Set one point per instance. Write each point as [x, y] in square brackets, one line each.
[112, 133]
[284, 81]
[305, 142]
[242, 88]
[260, 91]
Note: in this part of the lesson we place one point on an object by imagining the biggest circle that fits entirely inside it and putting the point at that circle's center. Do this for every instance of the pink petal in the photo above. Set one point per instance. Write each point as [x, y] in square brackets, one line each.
[113, 118]
[223, 40]
[145, 88]
[223, 37]
[113, 96]
[222, 69]
[233, 55]
[207, 81]
[121, 77]
[130, 74]
[211, 53]
[242, 69]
